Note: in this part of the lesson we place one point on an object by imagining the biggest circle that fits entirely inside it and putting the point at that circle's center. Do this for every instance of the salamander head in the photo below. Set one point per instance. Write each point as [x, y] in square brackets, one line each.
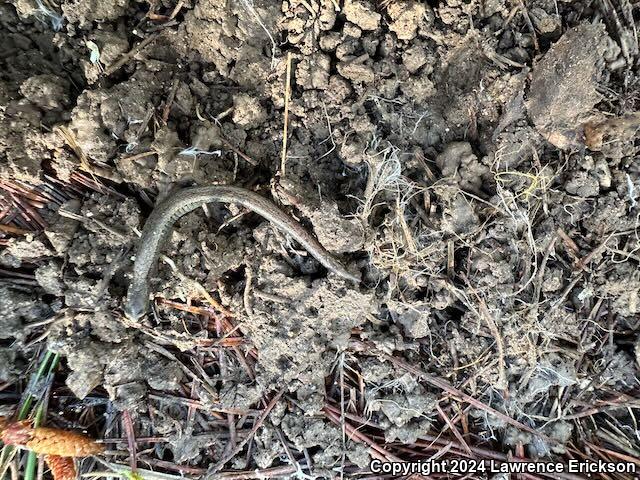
[137, 303]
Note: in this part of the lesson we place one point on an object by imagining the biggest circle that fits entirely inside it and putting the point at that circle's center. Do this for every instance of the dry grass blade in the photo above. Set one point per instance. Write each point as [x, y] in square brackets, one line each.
[285, 130]
[70, 139]
[123, 471]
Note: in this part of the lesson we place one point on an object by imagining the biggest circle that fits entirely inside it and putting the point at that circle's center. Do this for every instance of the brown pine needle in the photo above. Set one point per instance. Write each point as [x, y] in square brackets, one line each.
[127, 422]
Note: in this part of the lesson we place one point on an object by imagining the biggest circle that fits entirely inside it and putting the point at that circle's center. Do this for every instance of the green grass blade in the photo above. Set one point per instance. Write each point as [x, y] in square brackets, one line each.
[28, 400]
[32, 458]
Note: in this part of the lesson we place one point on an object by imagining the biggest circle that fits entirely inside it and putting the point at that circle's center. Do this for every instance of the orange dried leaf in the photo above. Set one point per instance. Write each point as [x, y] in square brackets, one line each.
[62, 468]
[53, 441]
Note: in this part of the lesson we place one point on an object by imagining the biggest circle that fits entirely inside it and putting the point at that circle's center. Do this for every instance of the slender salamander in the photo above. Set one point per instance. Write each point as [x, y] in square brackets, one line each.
[159, 224]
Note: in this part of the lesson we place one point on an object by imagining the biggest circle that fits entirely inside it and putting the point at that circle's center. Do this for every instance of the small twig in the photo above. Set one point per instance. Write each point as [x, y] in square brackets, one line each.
[241, 154]
[115, 66]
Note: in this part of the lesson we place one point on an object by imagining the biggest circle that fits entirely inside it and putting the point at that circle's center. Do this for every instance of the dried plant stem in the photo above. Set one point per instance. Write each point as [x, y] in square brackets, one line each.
[285, 133]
